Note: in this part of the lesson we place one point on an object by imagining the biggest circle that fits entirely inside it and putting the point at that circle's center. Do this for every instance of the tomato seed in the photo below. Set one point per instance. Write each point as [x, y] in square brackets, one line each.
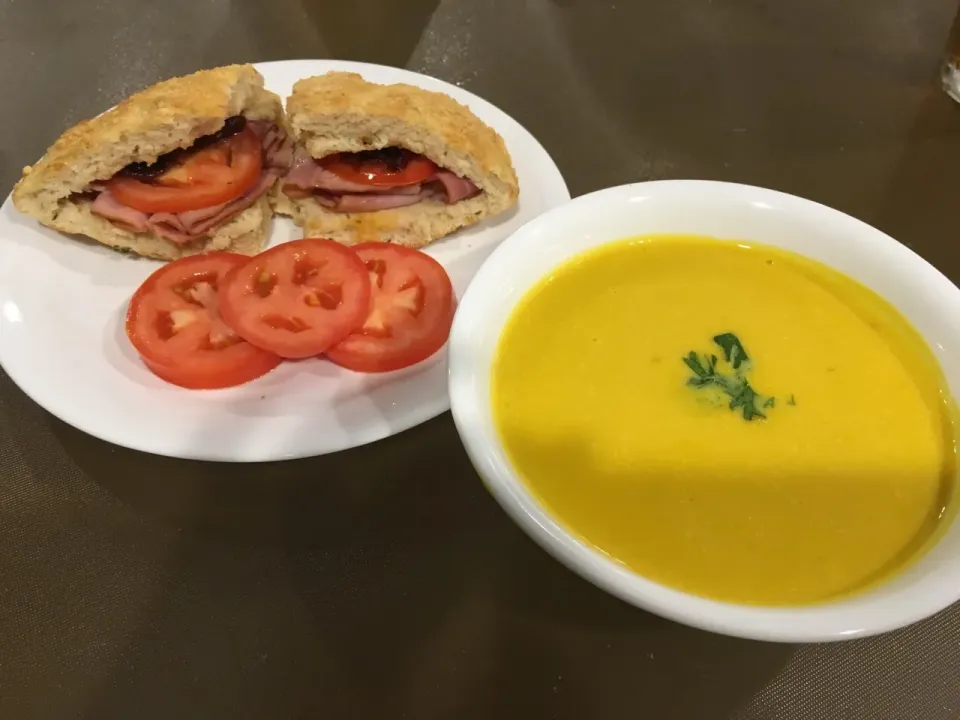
[282, 322]
[265, 284]
[330, 297]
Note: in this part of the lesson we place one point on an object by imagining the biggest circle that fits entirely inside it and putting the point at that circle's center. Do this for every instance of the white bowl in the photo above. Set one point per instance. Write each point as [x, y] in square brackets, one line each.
[722, 210]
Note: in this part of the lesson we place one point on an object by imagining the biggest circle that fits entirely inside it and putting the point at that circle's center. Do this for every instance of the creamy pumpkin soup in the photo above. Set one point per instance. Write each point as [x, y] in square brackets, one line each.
[731, 420]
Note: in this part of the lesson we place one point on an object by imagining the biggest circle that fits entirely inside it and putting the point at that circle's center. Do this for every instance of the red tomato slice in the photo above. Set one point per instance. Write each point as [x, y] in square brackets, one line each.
[392, 167]
[174, 323]
[412, 310]
[209, 378]
[297, 299]
[207, 177]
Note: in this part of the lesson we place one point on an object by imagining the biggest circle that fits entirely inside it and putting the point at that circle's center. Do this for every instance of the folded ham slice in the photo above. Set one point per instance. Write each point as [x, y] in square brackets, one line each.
[456, 188]
[307, 174]
[369, 202]
[192, 224]
[106, 205]
[184, 227]
[308, 177]
[277, 145]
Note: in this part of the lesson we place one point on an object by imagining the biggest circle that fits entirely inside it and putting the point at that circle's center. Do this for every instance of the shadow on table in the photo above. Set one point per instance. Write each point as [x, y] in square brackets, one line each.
[576, 652]
[467, 617]
[394, 585]
[554, 645]
[335, 568]
[268, 502]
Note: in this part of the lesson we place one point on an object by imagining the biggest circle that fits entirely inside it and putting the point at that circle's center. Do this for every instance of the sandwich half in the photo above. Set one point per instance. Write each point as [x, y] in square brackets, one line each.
[389, 163]
[181, 168]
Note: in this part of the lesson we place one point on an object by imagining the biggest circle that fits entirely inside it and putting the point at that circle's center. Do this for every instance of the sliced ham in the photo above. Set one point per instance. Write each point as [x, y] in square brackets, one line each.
[277, 145]
[169, 230]
[229, 210]
[280, 153]
[190, 225]
[308, 177]
[190, 219]
[292, 191]
[456, 188]
[197, 222]
[171, 227]
[107, 206]
[368, 202]
[451, 189]
[260, 127]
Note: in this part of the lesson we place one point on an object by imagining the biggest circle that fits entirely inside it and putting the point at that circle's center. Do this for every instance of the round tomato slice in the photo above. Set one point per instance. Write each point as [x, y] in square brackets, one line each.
[174, 323]
[207, 177]
[207, 377]
[390, 167]
[297, 299]
[411, 311]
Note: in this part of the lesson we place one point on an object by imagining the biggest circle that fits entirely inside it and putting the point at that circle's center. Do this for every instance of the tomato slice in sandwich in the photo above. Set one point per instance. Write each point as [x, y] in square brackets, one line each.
[411, 311]
[387, 168]
[174, 323]
[299, 298]
[207, 177]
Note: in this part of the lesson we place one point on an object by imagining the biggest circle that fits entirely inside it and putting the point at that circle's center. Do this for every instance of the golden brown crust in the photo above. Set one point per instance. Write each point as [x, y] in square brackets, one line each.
[165, 116]
[341, 112]
[245, 234]
[346, 94]
[413, 226]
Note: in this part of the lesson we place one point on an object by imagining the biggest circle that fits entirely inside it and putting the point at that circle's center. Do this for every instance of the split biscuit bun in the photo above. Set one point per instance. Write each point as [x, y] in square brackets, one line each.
[342, 112]
[169, 115]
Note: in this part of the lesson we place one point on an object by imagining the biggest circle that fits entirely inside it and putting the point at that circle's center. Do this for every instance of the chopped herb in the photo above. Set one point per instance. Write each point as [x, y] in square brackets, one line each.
[791, 400]
[735, 385]
[747, 399]
[693, 362]
[733, 351]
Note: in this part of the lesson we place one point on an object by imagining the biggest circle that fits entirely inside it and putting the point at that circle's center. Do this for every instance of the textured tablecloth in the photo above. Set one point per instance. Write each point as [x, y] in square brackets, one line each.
[384, 582]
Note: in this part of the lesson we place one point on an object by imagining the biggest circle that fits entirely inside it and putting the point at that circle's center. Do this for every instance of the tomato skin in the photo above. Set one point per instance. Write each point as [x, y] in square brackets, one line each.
[208, 177]
[297, 299]
[173, 323]
[412, 310]
[205, 378]
[376, 173]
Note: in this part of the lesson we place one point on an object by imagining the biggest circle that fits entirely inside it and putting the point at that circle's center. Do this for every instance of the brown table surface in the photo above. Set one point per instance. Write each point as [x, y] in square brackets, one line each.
[384, 582]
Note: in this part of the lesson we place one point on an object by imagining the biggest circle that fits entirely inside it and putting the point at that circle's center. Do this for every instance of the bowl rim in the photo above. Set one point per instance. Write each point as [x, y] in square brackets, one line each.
[807, 623]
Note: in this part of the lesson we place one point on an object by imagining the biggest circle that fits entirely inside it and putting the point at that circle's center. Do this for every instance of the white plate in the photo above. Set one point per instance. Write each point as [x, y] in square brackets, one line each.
[62, 341]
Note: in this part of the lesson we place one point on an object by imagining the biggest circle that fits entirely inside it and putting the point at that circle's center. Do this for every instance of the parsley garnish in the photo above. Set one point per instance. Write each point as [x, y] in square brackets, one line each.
[734, 384]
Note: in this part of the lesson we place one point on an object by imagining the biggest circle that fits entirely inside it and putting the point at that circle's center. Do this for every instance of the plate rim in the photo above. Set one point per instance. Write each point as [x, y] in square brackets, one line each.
[415, 414]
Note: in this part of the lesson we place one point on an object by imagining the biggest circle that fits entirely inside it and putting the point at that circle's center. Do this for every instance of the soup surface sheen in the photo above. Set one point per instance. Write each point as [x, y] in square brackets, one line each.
[831, 475]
